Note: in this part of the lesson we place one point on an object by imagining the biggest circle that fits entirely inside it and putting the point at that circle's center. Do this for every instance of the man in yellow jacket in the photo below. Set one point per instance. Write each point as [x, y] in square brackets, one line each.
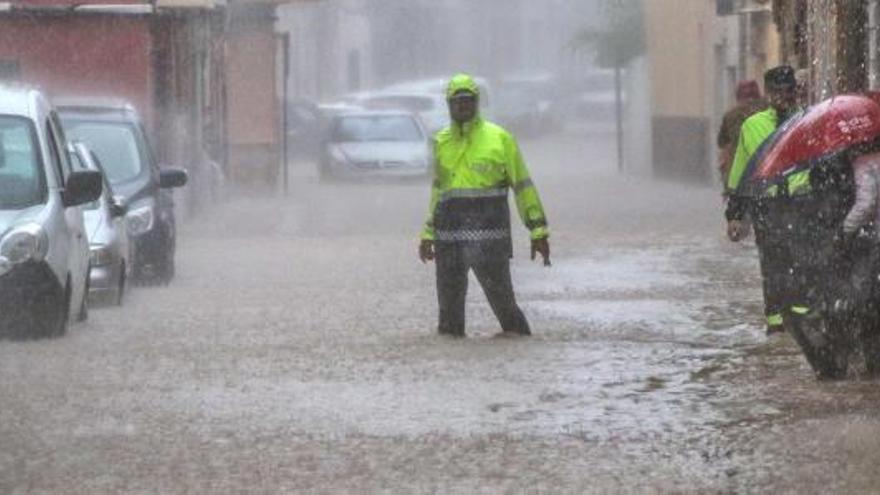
[468, 226]
[773, 242]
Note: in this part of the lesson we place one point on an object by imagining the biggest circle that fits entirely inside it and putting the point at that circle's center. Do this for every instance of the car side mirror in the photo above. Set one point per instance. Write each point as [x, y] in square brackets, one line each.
[83, 186]
[172, 177]
[118, 208]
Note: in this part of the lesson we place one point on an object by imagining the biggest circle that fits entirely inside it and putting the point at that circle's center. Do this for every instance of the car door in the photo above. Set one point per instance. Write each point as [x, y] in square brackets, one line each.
[73, 225]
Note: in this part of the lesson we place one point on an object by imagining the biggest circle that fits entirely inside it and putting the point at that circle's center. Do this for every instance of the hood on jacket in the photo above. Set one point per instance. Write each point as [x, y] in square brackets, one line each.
[462, 82]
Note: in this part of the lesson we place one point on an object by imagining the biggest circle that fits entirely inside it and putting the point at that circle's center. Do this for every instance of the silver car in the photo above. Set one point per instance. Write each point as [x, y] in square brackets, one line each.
[375, 144]
[430, 107]
[110, 249]
[44, 252]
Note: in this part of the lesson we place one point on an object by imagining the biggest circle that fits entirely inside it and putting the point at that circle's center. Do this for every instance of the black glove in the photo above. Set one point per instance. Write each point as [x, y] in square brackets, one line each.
[737, 207]
[426, 250]
[542, 247]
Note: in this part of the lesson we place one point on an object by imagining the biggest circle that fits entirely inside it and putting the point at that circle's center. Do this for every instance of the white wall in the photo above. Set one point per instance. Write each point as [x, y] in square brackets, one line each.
[322, 34]
[637, 118]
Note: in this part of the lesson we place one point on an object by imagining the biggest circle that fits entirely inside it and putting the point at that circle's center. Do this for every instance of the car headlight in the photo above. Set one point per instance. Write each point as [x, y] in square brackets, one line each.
[338, 156]
[140, 220]
[100, 255]
[25, 243]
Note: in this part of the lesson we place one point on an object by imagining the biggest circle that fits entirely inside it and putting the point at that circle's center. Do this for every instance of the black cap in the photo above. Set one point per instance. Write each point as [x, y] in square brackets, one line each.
[780, 77]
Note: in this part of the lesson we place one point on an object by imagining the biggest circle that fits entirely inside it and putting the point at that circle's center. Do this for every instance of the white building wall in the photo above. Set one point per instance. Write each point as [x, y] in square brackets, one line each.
[322, 37]
[726, 72]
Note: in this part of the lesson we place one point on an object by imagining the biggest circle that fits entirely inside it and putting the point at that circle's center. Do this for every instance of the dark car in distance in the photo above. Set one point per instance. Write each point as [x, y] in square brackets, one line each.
[113, 130]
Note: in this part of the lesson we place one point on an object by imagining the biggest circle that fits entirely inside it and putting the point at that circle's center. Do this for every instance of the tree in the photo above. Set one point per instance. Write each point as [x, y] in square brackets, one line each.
[620, 41]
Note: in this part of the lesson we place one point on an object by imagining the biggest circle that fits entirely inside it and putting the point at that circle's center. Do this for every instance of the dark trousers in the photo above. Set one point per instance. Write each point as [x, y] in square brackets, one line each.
[494, 277]
[775, 262]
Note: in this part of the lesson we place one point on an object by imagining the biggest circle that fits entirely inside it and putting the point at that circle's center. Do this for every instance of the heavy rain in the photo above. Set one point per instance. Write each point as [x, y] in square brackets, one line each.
[238, 239]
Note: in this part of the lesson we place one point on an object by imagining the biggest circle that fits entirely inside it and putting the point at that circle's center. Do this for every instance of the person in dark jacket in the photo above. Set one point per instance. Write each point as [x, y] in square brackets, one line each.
[748, 103]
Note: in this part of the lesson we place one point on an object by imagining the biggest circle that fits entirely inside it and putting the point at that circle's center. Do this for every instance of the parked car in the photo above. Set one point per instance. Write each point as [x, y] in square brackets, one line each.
[107, 233]
[591, 97]
[528, 105]
[114, 131]
[375, 144]
[518, 111]
[327, 113]
[330, 110]
[44, 251]
[430, 107]
[437, 86]
[304, 129]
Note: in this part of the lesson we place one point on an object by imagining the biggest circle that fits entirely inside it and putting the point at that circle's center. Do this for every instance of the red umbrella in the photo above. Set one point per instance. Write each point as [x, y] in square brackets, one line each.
[820, 132]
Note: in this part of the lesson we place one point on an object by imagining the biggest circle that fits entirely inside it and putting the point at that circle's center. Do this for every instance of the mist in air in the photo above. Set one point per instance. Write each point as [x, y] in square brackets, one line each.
[258, 301]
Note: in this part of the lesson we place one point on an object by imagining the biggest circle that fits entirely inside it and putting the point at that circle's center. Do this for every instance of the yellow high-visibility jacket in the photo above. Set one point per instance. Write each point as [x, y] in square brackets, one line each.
[475, 160]
[755, 130]
[481, 158]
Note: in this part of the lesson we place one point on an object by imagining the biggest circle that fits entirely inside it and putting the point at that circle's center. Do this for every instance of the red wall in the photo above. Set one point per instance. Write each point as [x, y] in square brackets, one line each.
[53, 3]
[82, 55]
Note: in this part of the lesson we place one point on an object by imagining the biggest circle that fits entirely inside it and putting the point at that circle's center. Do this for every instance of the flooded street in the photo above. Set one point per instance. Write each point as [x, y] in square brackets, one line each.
[296, 350]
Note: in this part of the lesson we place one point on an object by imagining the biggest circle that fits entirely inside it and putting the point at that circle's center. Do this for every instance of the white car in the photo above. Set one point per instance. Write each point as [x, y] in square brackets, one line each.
[44, 250]
[437, 87]
[375, 144]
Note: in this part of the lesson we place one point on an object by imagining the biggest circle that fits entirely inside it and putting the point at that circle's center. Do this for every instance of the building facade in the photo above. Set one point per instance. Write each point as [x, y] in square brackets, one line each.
[346, 46]
[204, 73]
[697, 51]
[158, 56]
[330, 48]
[834, 40]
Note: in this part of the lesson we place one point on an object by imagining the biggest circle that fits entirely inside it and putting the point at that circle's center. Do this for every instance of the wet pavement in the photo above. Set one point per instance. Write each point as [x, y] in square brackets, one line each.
[296, 352]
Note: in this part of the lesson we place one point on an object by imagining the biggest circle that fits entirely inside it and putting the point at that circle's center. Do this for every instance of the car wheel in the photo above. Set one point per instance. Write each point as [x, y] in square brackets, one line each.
[139, 274]
[83, 313]
[166, 270]
[120, 290]
[54, 323]
[870, 341]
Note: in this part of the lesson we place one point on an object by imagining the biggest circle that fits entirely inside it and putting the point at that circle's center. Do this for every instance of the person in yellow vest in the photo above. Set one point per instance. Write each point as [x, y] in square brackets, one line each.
[476, 162]
[775, 259]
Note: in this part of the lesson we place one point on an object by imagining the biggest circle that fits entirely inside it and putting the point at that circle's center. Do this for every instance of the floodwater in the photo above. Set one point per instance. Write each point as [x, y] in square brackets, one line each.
[296, 352]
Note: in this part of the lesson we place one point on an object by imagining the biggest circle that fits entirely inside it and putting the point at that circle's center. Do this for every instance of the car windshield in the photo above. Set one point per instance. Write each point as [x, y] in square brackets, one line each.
[117, 144]
[22, 183]
[376, 128]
